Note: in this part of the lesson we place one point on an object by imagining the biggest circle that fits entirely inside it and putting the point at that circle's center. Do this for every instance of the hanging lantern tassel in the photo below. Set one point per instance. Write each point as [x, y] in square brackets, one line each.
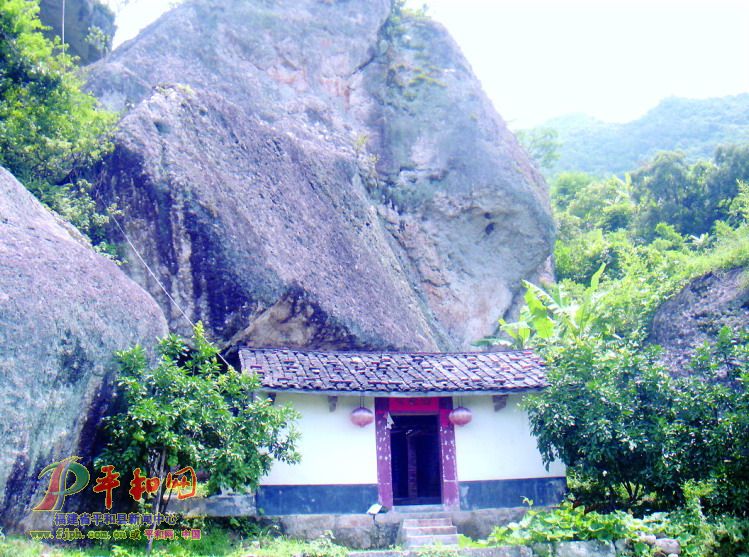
[362, 416]
[460, 416]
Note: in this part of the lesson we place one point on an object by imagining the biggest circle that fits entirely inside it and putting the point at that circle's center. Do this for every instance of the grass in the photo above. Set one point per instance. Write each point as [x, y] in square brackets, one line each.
[216, 542]
[731, 250]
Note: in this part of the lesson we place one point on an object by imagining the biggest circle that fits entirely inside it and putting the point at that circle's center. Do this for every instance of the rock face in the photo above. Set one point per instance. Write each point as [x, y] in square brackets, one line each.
[318, 174]
[698, 312]
[82, 17]
[64, 310]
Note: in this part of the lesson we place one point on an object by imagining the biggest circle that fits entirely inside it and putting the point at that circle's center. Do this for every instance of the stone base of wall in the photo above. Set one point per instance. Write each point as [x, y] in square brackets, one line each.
[361, 531]
[559, 549]
[216, 505]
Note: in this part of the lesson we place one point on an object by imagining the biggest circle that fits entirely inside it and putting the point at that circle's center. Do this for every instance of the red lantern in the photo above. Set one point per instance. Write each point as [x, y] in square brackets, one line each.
[460, 416]
[362, 416]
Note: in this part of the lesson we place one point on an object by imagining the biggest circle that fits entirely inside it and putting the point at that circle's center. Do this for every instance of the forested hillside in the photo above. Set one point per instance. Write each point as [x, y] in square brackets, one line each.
[646, 334]
[695, 127]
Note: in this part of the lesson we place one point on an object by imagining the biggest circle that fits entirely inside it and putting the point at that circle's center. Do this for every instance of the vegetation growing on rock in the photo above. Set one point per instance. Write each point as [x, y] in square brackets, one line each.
[49, 128]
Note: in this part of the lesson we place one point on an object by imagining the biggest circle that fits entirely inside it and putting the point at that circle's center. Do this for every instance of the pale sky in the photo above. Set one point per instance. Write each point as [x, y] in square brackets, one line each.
[612, 59]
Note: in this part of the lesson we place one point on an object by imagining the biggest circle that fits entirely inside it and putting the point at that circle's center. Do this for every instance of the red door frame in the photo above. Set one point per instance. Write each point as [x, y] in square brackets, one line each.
[441, 407]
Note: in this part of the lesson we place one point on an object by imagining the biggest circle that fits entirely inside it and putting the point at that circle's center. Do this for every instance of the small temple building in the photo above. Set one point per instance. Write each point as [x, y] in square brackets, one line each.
[405, 429]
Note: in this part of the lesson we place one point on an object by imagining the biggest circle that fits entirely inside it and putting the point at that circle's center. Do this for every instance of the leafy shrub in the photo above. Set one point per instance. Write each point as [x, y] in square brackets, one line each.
[698, 535]
[570, 523]
[190, 411]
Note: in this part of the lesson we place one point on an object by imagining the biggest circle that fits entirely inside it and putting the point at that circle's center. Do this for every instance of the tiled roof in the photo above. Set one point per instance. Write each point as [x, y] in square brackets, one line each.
[382, 372]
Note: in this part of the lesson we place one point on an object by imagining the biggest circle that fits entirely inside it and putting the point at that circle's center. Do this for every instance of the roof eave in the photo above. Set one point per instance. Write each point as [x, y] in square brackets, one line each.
[402, 394]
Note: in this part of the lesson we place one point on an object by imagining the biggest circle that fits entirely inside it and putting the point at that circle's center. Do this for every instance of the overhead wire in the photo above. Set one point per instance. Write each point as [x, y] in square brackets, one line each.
[63, 26]
[158, 282]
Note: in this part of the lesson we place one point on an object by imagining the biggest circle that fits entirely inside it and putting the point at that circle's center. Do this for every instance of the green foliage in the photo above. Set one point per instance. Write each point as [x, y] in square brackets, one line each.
[626, 428]
[567, 186]
[603, 416]
[189, 411]
[394, 26]
[696, 127]
[99, 40]
[738, 208]
[324, 546]
[698, 535]
[603, 204]
[689, 197]
[634, 434]
[571, 523]
[437, 550]
[549, 316]
[49, 128]
[665, 192]
[541, 144]
[579, 258]
[630, 432]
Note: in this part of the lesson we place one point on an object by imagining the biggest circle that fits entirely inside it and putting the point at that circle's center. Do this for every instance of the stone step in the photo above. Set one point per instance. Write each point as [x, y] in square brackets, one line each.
[422, 516]
[419, 522]
[416, 509]
[412, 531]
[421, 541]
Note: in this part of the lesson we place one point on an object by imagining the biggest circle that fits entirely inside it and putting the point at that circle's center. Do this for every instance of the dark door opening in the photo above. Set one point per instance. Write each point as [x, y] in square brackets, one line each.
[415, 460]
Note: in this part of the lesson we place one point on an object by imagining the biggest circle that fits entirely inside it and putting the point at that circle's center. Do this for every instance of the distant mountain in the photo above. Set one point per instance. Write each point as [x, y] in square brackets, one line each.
[696, 127]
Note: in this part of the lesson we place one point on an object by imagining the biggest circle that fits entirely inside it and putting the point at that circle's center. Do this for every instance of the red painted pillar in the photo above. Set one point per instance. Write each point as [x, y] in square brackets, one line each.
[384, 466]
[450, 491]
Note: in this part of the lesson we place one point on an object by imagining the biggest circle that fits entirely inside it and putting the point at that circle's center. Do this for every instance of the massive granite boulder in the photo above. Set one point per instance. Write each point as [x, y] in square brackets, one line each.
[696, 314]
[318, 173]
[64, 310]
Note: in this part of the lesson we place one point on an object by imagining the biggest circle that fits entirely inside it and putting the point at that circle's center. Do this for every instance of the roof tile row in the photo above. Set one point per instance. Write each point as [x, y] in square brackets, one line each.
[395, 372]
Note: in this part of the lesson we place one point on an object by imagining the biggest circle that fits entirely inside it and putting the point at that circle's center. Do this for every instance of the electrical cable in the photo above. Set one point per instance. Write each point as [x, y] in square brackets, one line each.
[63, 26]
[155, 278]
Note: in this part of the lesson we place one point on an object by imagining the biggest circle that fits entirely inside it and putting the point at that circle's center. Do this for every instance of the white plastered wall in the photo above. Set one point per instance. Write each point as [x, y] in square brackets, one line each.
[498, 445]
[334, 450]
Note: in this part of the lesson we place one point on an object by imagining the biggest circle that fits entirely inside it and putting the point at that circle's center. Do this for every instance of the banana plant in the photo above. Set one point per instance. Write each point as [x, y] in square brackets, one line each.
[549, 314]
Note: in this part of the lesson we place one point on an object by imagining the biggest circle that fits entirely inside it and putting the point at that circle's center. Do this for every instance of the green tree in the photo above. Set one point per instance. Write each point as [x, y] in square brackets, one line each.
[550, 315]
[542, 144]
[188, 410]
[660, 191]
[49, 128]
[691, 198]
[601, 416]
[566, 186]
[626, 428]
[603, 204]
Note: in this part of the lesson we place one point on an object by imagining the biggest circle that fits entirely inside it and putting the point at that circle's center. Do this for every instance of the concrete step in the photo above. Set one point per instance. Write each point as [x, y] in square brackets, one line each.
[421, 541]
[423, 522]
